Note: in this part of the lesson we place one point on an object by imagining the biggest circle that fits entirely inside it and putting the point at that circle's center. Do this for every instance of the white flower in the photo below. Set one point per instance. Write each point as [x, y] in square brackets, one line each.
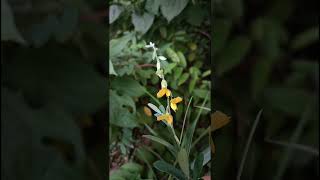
[151, 45]
[164, 83]
[162, 58]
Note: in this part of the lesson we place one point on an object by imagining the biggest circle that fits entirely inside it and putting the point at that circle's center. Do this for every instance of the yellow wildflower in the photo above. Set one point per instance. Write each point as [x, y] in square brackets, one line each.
[165, 117]
[147, 111]
[173, 103]
[163, 91]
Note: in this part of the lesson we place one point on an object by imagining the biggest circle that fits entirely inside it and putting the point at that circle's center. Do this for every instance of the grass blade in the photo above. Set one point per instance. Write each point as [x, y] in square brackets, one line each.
[185, 117]
[246, 149]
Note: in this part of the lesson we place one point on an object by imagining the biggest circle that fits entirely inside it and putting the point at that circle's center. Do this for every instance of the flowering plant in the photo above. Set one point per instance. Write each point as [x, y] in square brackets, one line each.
[183, 145]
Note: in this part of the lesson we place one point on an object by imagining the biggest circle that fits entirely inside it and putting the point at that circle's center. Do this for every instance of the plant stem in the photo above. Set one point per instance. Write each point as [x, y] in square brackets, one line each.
[184, 119]
[154, 98]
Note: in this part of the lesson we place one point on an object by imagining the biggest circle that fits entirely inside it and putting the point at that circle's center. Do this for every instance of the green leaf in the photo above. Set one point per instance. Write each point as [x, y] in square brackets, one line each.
[111, 69]
[172, 8]
[128, 86]
[161, 141]
[172, 55]
[114, 12]
[177, 73]
[260, 75]
[196, 14]
[201, 93]
[151, 130]
[9, 29]
[117, 45]
[170, 169]
[183, 78]
[198, 166]
[183, 161]
[142, 23]
[306, 38]
[289, 100]
[221, 33]
[232, 54]
[182, 59]
[153, 6]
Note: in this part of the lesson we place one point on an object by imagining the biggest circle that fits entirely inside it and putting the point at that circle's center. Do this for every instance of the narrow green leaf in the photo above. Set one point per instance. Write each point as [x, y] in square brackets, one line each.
[183, 78]
[198, 166]
[161, 141]
[306, 38]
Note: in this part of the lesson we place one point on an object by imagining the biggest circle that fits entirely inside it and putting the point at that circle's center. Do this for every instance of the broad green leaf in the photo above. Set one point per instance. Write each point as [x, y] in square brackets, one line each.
[111, 69]
[132, 167]
[161, 141]
[142, 23]
[114, 12]
[221, 31]
[232, 54]
[183, 78]
[306, 38]
[196, 14]
[198, 166]
[117, 45]
[128, 86]
[9, 29]
[152, 6]
[183, 161]
[172, 8]
[170, 169]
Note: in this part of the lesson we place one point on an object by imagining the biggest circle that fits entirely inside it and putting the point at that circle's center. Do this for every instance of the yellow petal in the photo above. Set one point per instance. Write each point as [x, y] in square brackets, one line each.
[162, 117]
[218, 120]
[169, 119]
[176, 100]
[173, 106]
[168, 93]
[161, 92]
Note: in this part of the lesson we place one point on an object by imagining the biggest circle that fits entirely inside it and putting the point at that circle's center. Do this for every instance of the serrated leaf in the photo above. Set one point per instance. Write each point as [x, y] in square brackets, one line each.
[9, 29]
[170, 169]
[171, 8]
[183, 161]
[232, 54]
[114, 12]
[142, 23]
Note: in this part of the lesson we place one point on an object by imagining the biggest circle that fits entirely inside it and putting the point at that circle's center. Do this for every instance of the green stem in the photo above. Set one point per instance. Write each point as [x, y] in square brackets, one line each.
[154, 98]
[200, 137]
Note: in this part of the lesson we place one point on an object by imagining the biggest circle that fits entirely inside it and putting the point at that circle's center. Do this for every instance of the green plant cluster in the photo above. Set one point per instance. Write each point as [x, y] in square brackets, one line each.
[185, 41]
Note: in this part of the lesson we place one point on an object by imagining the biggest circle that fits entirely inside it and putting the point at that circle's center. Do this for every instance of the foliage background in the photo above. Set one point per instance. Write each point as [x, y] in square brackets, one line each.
[265, 57]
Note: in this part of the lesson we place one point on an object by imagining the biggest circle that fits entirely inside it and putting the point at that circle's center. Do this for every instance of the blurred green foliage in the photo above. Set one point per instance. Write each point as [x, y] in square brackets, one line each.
[265, 57]
[52, 87]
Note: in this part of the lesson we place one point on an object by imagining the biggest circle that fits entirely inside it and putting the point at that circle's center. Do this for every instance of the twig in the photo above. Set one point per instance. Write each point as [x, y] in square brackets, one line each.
[246, 149]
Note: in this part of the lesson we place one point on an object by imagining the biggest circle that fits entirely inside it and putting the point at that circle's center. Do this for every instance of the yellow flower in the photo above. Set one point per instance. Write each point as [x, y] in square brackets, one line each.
[147, 111]
[164, 91]
[165, 117]
[173, 103]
